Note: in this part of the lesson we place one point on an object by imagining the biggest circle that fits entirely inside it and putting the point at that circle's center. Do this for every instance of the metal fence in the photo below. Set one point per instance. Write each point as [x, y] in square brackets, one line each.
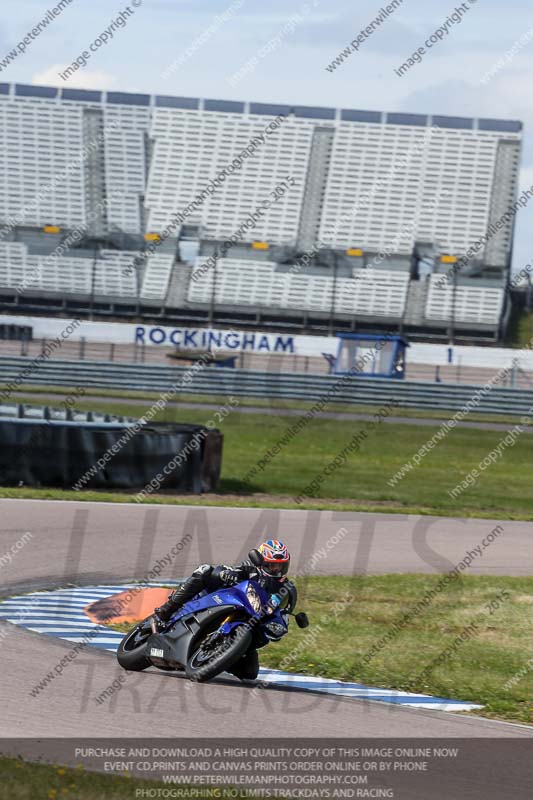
[17, 372]
[140, 353]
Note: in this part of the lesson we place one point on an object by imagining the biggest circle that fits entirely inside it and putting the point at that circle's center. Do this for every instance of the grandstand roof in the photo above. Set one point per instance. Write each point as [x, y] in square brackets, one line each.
[270, 109]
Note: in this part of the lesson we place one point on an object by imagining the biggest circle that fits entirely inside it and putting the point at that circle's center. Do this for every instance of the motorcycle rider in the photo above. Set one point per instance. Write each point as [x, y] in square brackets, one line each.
[272, 575]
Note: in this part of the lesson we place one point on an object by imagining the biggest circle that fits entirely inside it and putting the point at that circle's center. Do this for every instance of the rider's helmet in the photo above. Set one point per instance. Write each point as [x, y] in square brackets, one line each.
[276, 558]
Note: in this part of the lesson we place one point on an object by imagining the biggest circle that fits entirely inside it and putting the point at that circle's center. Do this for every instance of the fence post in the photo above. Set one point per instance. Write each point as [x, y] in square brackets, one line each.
[82, 348]
[112, 351]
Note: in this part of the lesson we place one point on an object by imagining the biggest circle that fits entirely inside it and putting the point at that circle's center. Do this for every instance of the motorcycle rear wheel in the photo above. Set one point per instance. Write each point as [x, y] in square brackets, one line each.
[202, 668]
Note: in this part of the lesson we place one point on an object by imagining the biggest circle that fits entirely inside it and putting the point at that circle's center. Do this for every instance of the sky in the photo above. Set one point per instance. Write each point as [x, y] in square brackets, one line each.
[204, 48]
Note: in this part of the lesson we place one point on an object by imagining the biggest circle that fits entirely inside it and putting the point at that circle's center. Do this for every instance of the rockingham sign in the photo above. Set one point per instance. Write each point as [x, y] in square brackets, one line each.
[232, 341]
[209, 339]
[185, 338]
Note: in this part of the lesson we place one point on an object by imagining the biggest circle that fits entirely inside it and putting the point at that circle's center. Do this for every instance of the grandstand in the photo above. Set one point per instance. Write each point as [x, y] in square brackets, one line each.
[102, 273]
[380, 206]
[366, 292]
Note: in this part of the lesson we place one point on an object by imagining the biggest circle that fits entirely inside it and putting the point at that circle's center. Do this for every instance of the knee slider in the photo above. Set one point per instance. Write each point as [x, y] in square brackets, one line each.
[203, 569]
[203, 573]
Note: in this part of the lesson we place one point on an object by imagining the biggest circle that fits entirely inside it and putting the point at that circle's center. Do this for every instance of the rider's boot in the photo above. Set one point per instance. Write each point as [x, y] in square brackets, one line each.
[189, 589]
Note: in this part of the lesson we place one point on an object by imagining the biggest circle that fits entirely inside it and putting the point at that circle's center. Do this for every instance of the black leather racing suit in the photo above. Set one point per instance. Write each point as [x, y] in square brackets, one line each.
[208, 578]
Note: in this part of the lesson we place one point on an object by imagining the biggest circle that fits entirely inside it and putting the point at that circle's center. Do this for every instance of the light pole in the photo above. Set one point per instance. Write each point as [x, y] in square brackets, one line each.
[214, 292]
[333, 292]
[451, 329]
[93, 278]
[138, 265]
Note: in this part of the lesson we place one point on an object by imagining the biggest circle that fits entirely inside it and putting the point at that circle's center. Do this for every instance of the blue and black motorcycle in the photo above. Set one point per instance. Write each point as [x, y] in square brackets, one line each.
[210, 633]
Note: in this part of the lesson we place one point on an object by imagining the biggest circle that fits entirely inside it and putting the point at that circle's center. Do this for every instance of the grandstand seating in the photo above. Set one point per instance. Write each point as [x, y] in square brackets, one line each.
[157, 276]
[114, 275]
[12, 263]
[368, 292]
[53, 274]
[245, 282]
[389, 190]
[474, 303]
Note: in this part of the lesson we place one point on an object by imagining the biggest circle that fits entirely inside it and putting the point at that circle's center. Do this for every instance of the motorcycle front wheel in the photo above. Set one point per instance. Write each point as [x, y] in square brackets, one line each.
[131, 653]
[207, 659]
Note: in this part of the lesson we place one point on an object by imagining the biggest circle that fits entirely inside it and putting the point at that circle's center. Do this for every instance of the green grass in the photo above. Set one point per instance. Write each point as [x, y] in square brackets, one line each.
[21, 780]
[503, 491]
[504, 488]
[350, 615]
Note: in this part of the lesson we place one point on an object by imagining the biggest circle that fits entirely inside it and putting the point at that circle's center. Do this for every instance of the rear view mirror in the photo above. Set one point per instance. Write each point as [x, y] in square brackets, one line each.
[256, 558]
[302, 620]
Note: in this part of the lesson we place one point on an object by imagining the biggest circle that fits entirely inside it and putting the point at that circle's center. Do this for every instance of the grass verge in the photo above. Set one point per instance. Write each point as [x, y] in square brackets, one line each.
[22, 780]
[255, 501]
[350, 615]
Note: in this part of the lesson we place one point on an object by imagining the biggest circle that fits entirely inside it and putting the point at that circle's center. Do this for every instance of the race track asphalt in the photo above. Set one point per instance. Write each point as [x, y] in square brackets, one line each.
[84, 543]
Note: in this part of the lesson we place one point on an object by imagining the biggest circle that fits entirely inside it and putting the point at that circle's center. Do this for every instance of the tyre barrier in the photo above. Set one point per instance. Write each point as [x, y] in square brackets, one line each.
[109, 455]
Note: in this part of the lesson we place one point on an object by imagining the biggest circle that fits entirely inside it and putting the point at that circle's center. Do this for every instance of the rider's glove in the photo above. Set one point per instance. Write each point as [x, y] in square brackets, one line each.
[228, 576]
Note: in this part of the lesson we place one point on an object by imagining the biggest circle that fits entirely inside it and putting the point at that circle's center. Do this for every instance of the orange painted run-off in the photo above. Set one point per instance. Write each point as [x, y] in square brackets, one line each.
[128, 606]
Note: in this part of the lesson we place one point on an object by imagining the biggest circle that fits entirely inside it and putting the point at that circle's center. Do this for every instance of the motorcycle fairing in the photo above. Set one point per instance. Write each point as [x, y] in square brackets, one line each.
[173, 645]
[232, 596]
